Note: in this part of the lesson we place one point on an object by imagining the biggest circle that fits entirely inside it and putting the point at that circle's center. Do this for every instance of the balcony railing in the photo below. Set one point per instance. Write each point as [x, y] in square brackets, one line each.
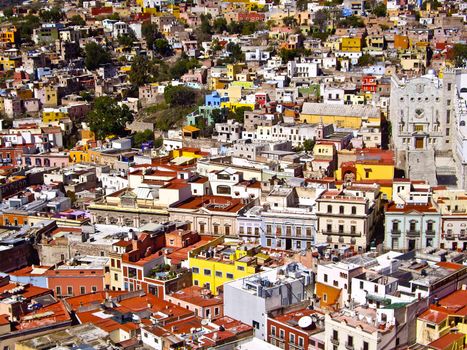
[450, 237]
[413, 233]
[430, 232]
[349, 346]
[396, 232]
[341, 233]
[334, 341]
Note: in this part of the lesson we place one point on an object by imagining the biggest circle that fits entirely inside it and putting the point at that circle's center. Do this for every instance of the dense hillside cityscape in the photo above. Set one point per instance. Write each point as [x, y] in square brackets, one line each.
[233, 174]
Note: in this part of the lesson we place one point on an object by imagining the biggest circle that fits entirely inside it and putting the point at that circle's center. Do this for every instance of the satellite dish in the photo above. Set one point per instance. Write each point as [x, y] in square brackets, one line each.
[305, 322]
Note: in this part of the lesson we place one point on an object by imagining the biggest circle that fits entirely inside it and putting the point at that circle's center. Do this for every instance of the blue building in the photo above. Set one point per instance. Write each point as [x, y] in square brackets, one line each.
[215, 99]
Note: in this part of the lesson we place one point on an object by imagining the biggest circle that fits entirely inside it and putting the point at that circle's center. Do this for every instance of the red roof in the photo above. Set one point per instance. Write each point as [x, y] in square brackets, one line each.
[446, 341]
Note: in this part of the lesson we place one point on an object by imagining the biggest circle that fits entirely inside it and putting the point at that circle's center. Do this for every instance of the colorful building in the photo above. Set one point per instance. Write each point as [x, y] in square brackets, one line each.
[53, 115]
[222, 261]
[351, 44]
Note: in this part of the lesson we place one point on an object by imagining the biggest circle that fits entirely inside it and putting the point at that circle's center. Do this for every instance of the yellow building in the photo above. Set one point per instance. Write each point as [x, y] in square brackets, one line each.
[8, 63]
[234, 105]
[187, 152]
[53, 115]
[50, 96]
[233, 69]
[221, 261]
[9, 35]
[351, 44]
[342, 116]
[367, 166]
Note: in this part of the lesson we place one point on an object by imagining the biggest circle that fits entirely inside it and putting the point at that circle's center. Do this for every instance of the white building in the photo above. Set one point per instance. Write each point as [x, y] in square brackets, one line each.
[265, 292]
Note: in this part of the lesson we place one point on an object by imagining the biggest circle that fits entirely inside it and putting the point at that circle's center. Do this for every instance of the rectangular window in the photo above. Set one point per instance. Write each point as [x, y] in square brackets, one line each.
[116, 276]
[273, 330]
[288, 230]
[281, 334]
[298, 231]
[292, 338]
[230, 276]
[69, 290]
[82, 290]
[219, 274]
[325, 278]
[94, 288]
[268, 229]
[301, 342]
[58, 290]
[207, 272]
[240, 268]
[195, 269]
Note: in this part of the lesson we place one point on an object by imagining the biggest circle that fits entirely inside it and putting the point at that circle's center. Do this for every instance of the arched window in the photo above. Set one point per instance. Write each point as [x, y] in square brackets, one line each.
[354, 210]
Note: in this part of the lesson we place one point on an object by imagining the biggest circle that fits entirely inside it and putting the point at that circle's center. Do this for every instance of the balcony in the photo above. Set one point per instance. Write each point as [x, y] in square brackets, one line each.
[450, 237]
[463, 237]
[413, 233]
[430, 232]
[349, 346]
[343, 233]
[334, 341]
[396, 232]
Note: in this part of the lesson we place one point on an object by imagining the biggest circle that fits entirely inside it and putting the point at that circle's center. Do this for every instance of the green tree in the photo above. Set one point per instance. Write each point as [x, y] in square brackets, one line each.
[182, 66]
[235, 52]
[205, 26]
[179, 95]
[289, 21]
[380, 10]
[238, 114]
[77, 20]
[162, 47]
[53, 15]
[150, 34]
[108, 118]
[127, 39]
[27, 26]
[114, 16]
[288, 55]
[158, 142]
[219, 25]
[142, 136]
[459, 55]
[95, 55]
[320, 19]
[308, 145]
[351, 21]
[8, 12]
[366, 60]
[142, 71]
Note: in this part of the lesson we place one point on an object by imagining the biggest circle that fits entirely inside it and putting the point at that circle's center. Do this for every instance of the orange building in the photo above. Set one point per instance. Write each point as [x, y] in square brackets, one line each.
[401, 42]
[75, 281]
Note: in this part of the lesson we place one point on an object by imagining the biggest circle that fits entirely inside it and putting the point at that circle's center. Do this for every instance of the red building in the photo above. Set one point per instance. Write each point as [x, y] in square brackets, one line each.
[369, 84]
[70, 281]
[251, 16]
[297, 330]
